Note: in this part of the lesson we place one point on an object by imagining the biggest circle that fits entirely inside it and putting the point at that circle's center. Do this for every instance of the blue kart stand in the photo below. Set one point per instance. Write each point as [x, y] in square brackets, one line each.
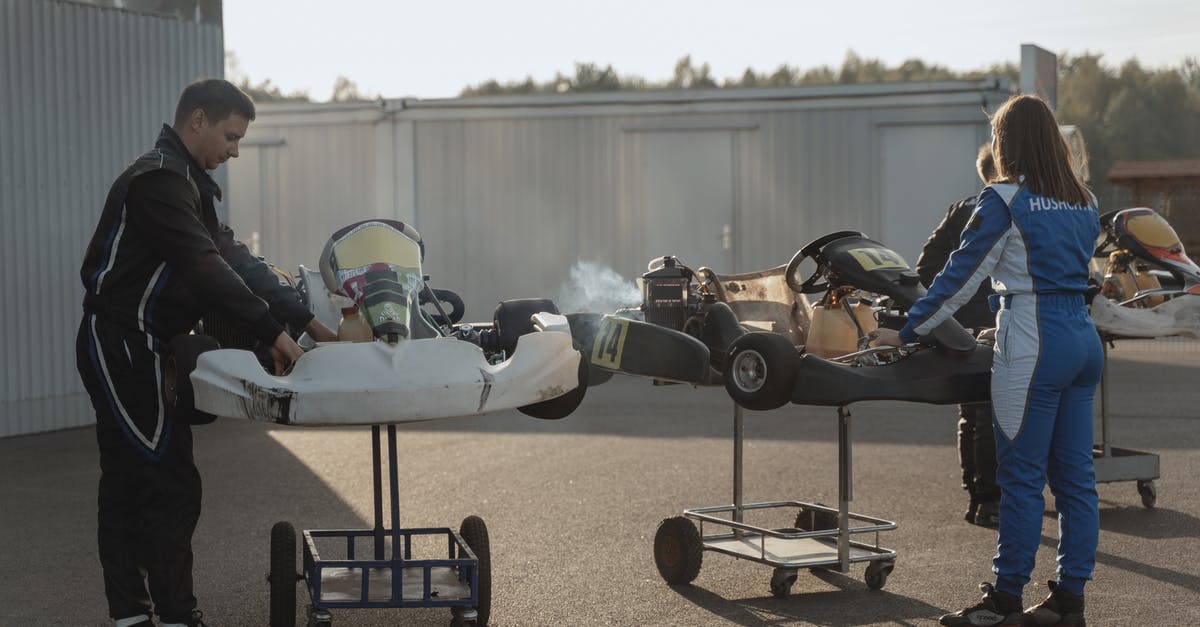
[391, 576]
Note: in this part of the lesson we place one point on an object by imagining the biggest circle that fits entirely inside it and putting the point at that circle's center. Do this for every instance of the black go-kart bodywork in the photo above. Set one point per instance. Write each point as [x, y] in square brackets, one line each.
[947, 366]
[686, 322]
[749, 332]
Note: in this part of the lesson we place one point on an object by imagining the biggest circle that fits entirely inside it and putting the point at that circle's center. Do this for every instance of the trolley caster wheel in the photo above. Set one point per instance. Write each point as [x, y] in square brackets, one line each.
[877, 573]
[1149, 493]
[283, 576]
[319, 618]
[781, 582]
[474, 532]
[464, 617]
[678, 551]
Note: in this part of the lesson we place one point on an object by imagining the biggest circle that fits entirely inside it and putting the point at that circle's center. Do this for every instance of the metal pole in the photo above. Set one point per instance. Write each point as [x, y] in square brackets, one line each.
[376, 475]
[738, 436]
[394, 487]
[845, 489]
[1104, 402]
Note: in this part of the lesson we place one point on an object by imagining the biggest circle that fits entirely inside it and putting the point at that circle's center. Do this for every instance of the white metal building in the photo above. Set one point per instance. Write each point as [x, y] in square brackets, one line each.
[86, 88]
[510, 192]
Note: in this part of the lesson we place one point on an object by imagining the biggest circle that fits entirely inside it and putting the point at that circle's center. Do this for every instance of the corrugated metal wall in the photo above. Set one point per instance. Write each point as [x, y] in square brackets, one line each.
[509, 193]
[85, 92]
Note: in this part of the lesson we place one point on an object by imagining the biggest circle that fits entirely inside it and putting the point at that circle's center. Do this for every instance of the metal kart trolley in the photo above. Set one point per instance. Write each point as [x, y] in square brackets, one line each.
[1115, 464]
[821, 536]
[392, 576]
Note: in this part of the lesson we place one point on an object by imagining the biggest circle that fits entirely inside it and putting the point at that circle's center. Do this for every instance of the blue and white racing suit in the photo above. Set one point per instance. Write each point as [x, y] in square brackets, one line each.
[1047, 363]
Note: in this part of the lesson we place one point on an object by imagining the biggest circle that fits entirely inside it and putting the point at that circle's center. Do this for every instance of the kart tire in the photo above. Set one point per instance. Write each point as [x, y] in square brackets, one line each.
[561, 406]
[678, 551]
[474, 532]
[178, 396]
[283, 577]
[511, 319]
[760, 370]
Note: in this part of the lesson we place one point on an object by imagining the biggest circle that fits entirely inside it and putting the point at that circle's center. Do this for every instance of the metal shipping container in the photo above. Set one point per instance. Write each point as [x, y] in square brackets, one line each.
[86, 89]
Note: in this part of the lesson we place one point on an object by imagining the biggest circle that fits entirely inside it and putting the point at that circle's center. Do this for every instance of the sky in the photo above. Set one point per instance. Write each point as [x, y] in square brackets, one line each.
[432, 49]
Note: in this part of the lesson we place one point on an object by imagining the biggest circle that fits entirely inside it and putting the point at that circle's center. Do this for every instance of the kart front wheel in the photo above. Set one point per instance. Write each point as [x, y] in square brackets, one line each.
[561, 406]
[760, 370]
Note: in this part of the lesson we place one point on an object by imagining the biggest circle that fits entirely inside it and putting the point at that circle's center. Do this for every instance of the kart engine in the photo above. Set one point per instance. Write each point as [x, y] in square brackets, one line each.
[666, 294]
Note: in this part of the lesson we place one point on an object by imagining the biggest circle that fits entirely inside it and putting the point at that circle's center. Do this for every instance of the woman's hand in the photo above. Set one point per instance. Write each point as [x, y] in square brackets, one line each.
[885, 337]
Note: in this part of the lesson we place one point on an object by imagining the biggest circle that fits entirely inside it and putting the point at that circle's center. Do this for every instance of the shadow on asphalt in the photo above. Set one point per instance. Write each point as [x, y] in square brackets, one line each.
[851, 604]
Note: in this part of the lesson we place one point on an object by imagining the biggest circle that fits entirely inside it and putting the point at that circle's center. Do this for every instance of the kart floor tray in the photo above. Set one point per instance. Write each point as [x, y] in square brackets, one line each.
[345, 584]
[788, 552]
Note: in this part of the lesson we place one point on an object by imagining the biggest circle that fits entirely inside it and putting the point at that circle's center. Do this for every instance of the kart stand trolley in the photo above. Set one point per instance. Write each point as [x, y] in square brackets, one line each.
[821, 537]
[1114, 464]
[391, 576]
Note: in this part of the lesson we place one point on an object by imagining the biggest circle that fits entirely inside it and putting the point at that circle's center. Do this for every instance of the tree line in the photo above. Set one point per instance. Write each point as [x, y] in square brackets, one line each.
[1124, 112]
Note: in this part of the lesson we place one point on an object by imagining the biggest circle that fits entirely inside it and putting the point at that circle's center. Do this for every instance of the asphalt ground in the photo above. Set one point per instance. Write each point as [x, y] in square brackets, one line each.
[572, 507]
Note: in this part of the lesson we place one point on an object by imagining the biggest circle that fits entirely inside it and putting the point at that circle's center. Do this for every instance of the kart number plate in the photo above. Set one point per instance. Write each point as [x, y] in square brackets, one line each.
[878, 259]
[610, 342]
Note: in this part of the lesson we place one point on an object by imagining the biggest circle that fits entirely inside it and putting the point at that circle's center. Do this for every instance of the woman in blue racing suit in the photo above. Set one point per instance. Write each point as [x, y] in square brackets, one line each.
[1033, 233]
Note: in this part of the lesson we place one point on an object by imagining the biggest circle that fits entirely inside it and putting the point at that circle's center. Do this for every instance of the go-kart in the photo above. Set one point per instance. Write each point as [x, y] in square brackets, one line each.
[686, 322]
[1149, 286]
[862, 284]
[419, 365]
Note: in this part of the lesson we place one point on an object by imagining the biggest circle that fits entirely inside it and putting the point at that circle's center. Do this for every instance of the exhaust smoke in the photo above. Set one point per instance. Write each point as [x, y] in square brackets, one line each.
[596, 288]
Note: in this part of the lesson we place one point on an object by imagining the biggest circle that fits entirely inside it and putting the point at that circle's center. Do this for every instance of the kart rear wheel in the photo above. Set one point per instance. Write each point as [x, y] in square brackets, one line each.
[178, 397]
[512, 319]
[283, 575]
[760, 370]
[678, 551]
[474, 532]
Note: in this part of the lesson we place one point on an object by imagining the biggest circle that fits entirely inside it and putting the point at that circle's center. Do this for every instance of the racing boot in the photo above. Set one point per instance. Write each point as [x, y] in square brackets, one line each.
[1060, 608]
[987, 514]
[995, 609]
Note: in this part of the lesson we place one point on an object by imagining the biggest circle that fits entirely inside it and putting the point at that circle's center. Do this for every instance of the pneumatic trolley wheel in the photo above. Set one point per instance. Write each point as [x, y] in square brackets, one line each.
[283, 576]
[678, 550]
[877, 573]
[474, 532]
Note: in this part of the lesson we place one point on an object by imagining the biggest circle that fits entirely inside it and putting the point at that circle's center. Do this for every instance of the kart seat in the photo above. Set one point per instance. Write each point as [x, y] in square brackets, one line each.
[377, 264]
[762, 300]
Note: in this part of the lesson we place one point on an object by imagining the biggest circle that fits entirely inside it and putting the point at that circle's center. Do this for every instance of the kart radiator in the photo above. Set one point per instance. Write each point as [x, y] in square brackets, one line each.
[665, 294]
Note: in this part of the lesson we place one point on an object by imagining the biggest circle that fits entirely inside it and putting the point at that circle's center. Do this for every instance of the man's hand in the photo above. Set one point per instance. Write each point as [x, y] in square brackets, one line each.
[319, 332]
[987, 335]
[285, 351]
[885, 337]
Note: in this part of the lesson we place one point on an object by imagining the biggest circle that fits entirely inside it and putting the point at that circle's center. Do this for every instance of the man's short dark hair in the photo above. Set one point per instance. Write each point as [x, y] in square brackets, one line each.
[217, 97]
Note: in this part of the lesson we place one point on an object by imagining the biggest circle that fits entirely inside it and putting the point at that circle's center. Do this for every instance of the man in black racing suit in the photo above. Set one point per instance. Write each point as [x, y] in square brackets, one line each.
[158, 260]
[976, 439]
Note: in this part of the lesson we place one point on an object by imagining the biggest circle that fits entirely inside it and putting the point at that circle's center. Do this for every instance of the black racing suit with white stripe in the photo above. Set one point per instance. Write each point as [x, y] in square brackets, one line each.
[158, 261]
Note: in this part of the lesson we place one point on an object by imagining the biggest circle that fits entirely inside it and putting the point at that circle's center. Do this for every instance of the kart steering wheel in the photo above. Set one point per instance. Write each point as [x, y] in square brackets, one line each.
[813, 250]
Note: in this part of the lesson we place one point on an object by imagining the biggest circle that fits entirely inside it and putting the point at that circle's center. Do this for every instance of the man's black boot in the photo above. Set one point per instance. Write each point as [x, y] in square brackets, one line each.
[1060, 608]
[996, 608]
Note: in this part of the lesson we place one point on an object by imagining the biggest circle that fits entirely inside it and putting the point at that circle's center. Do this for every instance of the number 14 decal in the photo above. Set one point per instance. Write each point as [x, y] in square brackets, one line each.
[610, 342]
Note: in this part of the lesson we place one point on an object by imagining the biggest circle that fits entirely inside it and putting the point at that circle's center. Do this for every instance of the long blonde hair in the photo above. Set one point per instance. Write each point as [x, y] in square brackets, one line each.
[1026, 142]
